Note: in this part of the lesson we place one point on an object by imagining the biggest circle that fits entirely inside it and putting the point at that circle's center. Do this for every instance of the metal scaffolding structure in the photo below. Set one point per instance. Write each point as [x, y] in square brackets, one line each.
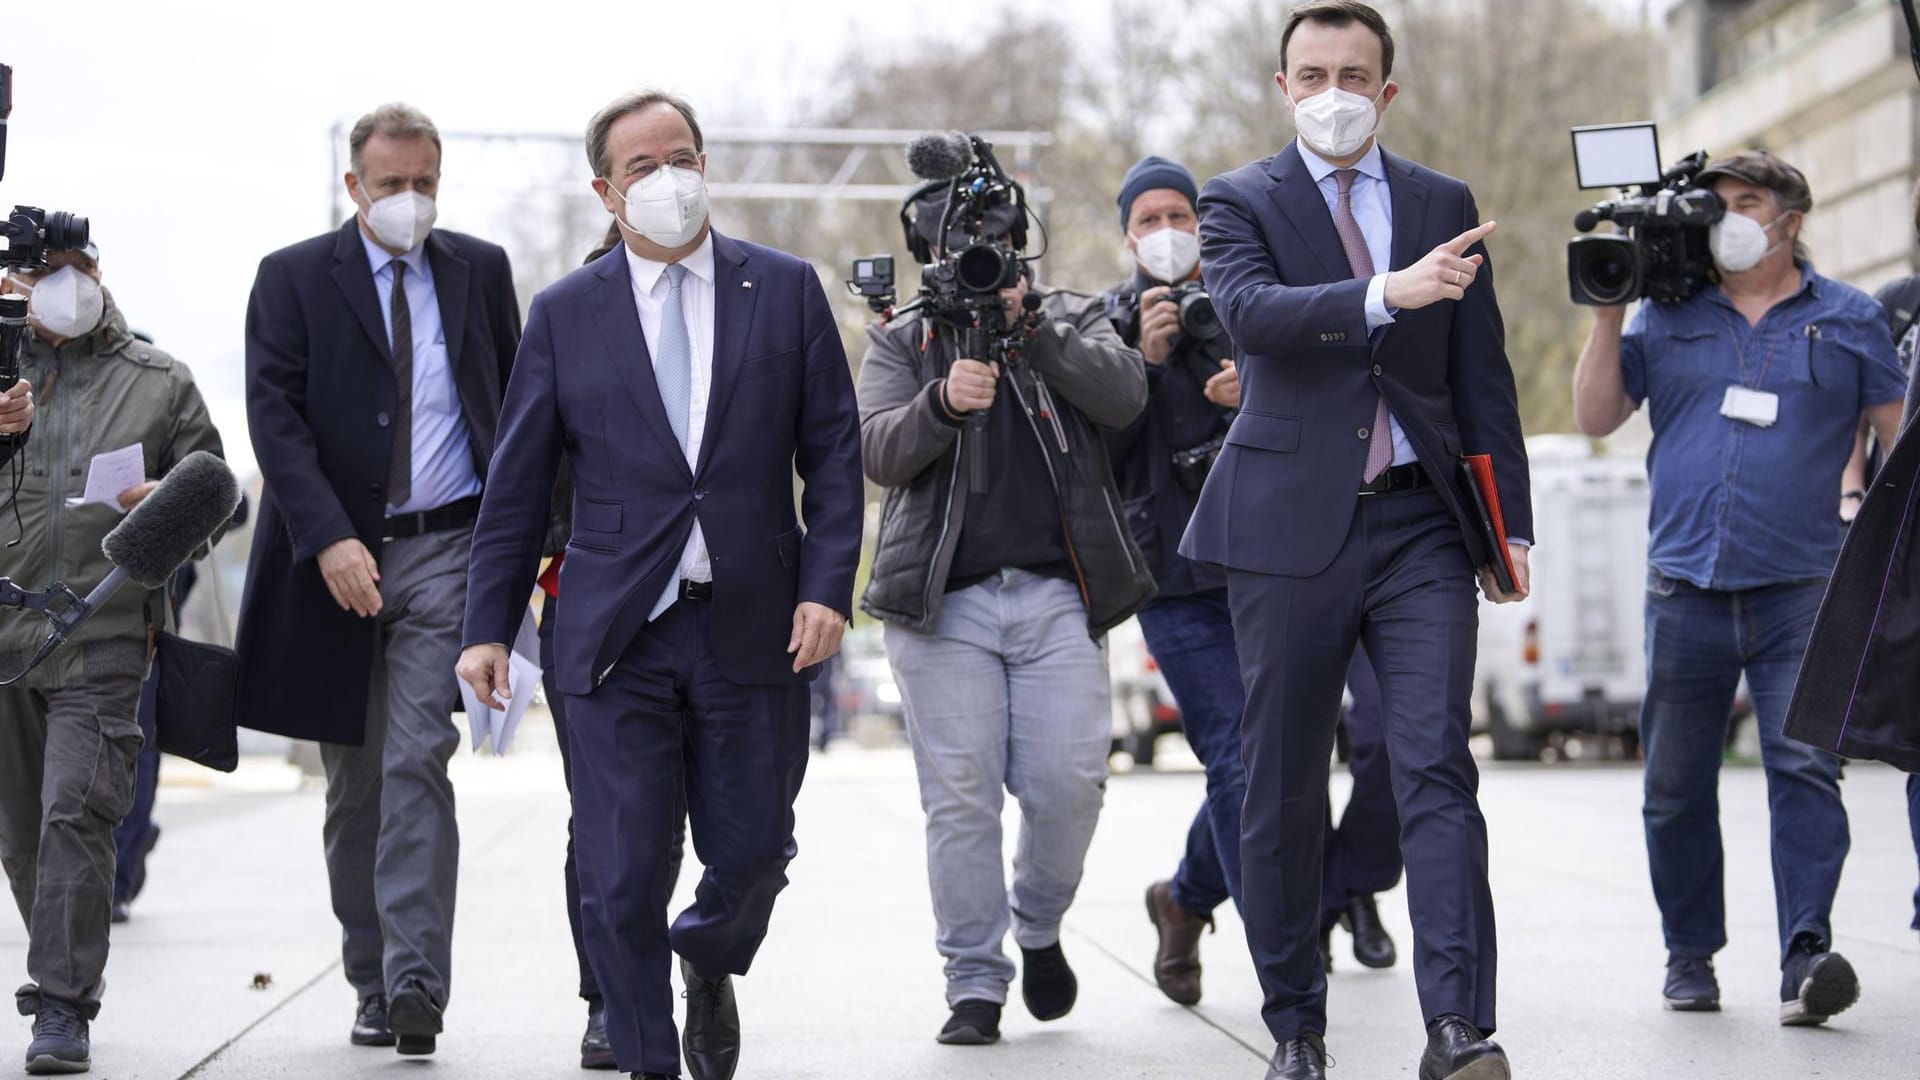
[795, 164]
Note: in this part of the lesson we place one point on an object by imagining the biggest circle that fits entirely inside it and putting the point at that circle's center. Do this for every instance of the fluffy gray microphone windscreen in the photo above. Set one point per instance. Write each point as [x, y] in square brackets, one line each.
[941, 155]
[191, 503]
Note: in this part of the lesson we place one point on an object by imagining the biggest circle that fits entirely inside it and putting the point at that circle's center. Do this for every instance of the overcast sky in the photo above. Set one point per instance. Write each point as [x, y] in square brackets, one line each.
[195, 133]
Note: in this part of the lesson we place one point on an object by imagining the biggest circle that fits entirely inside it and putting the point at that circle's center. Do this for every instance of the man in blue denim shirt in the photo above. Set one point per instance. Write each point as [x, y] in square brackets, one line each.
[1754, 387]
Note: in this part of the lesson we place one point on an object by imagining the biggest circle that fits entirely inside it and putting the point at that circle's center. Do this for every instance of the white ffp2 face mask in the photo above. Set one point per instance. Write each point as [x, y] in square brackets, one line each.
[667, 206]
[66, 303]
[1738, 242]
[402, 221]
[1336, 122]
[1168, 255]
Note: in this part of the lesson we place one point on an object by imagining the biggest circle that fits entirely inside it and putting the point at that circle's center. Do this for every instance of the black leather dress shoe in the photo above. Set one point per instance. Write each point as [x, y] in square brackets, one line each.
[1303, 1057]
[415, 1020]
[1371, 945]
[596, 1051]
[1457, 1051]
[711, 1039]
[370, 1023]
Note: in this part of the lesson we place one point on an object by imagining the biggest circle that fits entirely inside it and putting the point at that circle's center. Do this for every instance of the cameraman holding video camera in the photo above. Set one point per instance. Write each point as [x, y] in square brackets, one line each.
[69, 734]
[1755, 384]
[1002, 561]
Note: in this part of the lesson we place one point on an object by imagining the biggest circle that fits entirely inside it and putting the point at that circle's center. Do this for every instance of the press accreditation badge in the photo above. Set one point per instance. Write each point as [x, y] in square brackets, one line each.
[1756, 407]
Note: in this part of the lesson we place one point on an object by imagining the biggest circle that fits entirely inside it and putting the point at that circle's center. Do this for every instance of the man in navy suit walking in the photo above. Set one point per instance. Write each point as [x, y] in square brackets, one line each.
[687, 376]
[1354, 283]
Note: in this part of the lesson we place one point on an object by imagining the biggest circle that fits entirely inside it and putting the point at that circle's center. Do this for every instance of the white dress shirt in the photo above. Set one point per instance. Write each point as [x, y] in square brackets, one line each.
[1373, 210]
[650, 289]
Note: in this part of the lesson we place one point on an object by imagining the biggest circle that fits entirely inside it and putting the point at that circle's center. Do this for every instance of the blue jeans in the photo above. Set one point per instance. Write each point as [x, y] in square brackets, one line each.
[1191, 638]
[1698, 643]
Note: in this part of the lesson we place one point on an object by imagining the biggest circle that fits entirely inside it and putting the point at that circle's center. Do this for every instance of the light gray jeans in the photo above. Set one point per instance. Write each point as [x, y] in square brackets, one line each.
[1008, 693]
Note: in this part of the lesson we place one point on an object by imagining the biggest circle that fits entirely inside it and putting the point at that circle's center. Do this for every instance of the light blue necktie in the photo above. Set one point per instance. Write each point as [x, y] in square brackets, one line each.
[673, 372]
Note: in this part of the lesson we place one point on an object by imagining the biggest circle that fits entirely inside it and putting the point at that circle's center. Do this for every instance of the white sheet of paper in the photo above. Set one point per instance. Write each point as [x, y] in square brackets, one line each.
[112, 473]
[495, 725]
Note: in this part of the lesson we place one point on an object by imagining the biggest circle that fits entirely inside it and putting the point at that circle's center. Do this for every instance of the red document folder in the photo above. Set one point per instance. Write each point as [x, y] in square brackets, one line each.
[1478, 470]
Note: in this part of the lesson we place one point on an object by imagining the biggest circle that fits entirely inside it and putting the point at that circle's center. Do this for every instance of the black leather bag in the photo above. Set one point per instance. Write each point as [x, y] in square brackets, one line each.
[196, 698]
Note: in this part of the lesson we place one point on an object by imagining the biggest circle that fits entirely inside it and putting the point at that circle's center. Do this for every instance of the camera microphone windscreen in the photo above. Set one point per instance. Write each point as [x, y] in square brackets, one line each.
[940, 155]
[191, 503]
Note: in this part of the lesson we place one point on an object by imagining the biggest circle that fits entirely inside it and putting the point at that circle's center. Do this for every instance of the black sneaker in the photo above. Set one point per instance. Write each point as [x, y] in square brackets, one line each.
[1815, 984]
[1047, 984]
[973, 1023]
[1691, 986]
[60, 1043]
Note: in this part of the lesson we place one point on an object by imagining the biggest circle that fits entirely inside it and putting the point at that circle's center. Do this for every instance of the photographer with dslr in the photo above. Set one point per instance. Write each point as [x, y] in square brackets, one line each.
[996, 594]
[1754, 386]
[69, 734]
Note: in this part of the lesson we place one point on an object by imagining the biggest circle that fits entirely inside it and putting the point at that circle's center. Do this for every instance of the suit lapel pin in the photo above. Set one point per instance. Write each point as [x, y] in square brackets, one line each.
[746, 284]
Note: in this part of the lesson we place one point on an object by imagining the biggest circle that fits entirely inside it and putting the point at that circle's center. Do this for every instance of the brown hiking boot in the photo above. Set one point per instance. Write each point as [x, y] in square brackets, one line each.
[1176, 965]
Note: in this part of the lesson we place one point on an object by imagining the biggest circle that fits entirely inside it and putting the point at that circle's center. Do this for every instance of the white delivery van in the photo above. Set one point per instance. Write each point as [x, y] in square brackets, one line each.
[1570, 658]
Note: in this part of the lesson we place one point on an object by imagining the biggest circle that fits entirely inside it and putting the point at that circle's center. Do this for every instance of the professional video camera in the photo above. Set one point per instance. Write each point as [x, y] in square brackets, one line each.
[31, 233]
[967, 228]
[1662, 254]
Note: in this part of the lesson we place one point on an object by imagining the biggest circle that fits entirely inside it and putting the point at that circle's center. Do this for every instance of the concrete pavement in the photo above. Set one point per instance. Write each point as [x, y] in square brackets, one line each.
[849, 985]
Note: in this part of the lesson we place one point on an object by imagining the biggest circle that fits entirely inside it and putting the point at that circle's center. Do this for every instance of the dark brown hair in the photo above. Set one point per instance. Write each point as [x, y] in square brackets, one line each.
[602, 124]
[1338, 13]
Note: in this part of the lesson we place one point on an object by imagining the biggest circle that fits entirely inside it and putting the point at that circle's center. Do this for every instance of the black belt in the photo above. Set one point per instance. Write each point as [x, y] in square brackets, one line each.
[455, 515]
[1398, 478]
[696, 590]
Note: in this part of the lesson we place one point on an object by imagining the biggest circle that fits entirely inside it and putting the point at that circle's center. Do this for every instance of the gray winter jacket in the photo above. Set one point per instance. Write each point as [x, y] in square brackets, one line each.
[1076, 361]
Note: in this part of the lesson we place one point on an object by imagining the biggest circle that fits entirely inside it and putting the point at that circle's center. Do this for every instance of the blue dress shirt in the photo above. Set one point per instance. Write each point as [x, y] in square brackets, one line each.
[1737, 506]
[443, 469]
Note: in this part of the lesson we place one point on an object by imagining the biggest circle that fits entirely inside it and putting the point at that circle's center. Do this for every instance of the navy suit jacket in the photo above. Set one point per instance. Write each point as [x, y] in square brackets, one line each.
[782, 401]
[320, 403]
[1281, 497]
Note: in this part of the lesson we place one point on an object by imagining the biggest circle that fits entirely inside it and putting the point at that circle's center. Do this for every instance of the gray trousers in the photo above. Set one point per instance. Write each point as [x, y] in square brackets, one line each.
[393, 849]
[1007, 692]
[66, 779]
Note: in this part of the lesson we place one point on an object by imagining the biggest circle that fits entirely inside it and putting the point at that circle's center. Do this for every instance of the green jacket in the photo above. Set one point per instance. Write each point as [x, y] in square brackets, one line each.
[96, 393]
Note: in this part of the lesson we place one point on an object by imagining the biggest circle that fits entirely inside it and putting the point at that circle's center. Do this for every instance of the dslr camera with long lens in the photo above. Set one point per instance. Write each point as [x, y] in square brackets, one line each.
[1198, 320]
[31, 235]
[1660, 250]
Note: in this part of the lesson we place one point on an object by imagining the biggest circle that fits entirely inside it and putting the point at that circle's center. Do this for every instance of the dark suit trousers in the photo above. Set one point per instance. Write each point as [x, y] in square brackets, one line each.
[666, 717]
[1403, 586]
[557, 705]
[1362, 852]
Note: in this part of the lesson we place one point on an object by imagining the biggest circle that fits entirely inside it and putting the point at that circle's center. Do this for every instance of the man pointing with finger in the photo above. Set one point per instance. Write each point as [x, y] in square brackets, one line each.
[1356, 287]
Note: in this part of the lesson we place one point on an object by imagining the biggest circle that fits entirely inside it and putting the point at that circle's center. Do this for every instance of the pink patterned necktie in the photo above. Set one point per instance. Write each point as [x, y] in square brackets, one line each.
[1360, 261]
